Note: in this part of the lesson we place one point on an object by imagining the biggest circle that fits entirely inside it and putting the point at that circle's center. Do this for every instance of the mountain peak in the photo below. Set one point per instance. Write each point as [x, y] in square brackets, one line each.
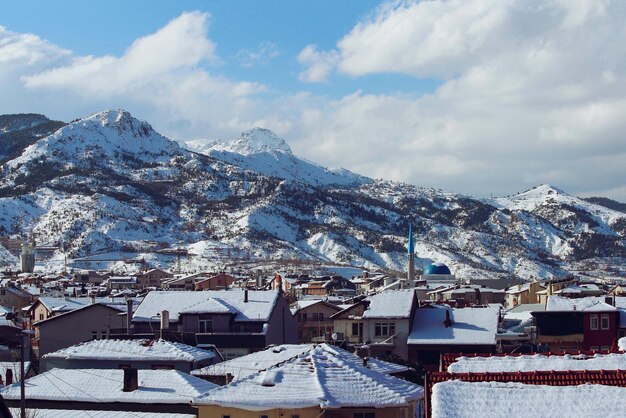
[120, 120]
[547, 189]
[257, 140]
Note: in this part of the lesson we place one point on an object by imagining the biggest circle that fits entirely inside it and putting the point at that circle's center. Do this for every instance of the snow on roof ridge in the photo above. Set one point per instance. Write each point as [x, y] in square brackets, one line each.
[131, 349]
[332, 377]
[538, 362]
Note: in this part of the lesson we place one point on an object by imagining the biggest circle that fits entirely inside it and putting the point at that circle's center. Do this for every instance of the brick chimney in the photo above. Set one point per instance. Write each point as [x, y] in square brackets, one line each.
[245, 295]
[131, 379]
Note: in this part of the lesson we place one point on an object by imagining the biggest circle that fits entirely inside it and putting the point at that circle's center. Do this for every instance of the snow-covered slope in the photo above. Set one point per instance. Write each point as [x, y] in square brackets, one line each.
[109, 186]
[21, 130]
[261, 151]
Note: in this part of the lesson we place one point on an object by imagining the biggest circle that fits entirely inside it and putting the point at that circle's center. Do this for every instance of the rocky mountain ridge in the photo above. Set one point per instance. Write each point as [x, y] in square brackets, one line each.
[110, 186]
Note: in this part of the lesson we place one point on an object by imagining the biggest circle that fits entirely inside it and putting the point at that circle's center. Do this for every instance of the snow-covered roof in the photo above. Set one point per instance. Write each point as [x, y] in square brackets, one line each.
[69, 304]
[77, 413]
[455, 398]
[314, 379]
[538, 362]
[241, 367]
[390, 304]
[470, 326]
[589, 304]
[258, 308]
[133, 350]
[105, 386]
[301, 304]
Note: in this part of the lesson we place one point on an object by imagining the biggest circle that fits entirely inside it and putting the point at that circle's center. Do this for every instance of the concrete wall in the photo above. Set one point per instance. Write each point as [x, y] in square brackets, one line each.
[280, 318]
[78, 326]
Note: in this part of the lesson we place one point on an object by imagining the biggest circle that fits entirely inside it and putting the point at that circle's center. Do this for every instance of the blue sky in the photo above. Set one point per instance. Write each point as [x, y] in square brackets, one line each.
[483, 97]
[239, 26]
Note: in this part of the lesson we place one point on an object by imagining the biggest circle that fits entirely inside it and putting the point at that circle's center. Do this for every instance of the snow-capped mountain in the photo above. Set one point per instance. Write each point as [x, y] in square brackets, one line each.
[261, 151]
[110, 186]
[21, 130]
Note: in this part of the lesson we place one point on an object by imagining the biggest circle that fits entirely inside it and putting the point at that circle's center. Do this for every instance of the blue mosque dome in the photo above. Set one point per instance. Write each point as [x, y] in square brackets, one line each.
[437, 268]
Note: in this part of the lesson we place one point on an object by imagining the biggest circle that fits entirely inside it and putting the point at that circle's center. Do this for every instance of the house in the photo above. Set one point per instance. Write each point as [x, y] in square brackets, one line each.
[217, 282]
[118, 283]
[13, 296]
[183, 282]
[382, 322]
[139, 354]
[240, 367]
[469, 295]
[10, 339]
[580, 291]
[128, 390]
[89, 276]
[439, 329]
[313, 385]
[237, 322]
[152, 278]
[620, 303]
[46, 307]
[88, 322]
[314, 320]
[523, 294]
[573, 325]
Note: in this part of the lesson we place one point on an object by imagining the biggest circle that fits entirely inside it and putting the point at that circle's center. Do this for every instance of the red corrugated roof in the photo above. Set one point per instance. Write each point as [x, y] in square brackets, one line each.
[552, 378]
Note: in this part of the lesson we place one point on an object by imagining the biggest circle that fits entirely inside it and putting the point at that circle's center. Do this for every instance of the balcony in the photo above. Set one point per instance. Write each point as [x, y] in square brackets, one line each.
[232, 339]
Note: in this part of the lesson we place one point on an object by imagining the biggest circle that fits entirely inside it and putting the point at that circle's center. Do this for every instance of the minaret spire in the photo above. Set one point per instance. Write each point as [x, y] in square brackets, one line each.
[411, 256]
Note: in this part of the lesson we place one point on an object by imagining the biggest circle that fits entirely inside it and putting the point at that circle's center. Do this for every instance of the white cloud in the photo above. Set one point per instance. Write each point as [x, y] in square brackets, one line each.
[264, 53]
[163, 77]
[530, 92]
[181, 45]
[318, 65]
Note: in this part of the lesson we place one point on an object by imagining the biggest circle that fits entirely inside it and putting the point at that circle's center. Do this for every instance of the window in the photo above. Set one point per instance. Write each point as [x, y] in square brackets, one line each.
[593, 321]
[356, 328]
[225, 416]
[604, 321]
[264, 416]
[605, 348]
[295, 416]
[318, 316]
[41, 317]
[364, 415]
[94, 335]
[594, 348]
[303, 317]
[384, 329]
[205, 323]
[103, 335]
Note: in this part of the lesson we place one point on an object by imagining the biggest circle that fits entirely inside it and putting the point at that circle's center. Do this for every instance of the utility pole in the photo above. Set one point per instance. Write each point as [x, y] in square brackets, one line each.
[25, 335]
[22, 385]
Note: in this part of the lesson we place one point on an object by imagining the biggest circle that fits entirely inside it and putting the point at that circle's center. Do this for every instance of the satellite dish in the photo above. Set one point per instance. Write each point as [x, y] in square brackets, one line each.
[334, 336]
